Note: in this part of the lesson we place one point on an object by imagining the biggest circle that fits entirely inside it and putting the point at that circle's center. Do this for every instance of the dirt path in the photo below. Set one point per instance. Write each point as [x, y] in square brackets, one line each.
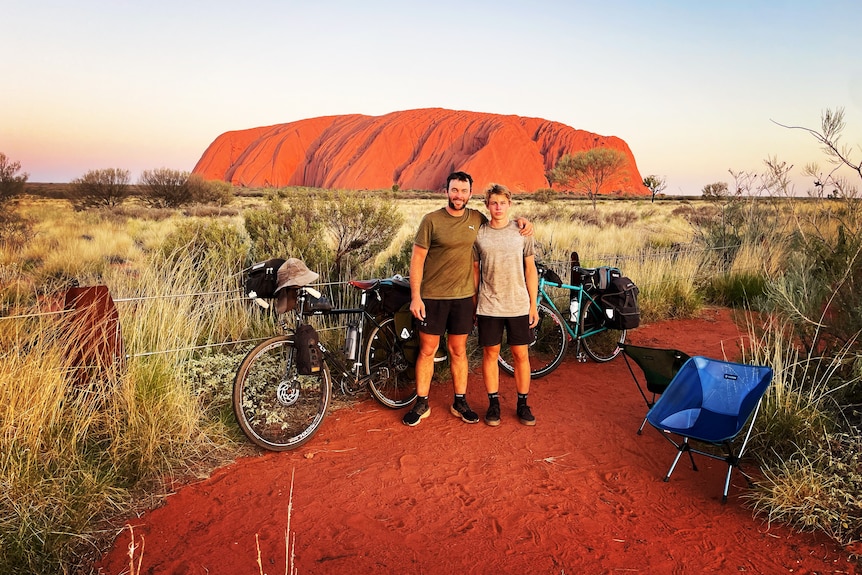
[579, 493]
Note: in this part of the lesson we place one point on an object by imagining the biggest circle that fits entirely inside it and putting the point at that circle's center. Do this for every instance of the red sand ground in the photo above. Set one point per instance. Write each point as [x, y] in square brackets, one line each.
[580, 492]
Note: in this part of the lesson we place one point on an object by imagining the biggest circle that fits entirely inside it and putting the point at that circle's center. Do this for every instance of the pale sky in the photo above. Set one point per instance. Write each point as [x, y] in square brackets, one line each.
[691, 85]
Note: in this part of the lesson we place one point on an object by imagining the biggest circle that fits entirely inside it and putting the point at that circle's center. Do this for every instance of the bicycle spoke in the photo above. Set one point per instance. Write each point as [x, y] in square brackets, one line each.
[603, 345]
[390, 361]
[276, 407]
[548, 348]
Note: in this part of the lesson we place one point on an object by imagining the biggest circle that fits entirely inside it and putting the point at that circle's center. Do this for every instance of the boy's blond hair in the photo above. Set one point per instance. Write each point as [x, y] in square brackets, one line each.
[498, 189]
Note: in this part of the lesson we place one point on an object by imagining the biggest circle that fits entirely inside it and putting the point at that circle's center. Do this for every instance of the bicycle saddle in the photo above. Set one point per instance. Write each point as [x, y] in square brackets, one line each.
[395, 280]
[365, 284]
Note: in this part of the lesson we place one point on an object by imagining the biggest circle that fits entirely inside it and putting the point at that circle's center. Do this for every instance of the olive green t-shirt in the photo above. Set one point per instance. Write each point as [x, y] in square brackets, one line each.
[448, 272]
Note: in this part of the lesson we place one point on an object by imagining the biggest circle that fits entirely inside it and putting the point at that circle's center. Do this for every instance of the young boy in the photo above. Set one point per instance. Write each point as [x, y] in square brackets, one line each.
[504, 271]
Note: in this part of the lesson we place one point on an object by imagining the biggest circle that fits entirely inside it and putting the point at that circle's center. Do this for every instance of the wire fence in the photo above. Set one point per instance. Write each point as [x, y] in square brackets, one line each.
[224, 296]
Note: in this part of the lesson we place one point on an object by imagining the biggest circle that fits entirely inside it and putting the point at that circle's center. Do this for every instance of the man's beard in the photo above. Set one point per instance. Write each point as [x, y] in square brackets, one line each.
[452, 205]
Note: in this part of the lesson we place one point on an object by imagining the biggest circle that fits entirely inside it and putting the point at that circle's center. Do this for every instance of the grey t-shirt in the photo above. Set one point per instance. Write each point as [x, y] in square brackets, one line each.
[502, 284]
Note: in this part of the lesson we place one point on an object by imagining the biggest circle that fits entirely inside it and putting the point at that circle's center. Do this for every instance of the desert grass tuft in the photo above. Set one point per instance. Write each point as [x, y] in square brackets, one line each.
[811, 469]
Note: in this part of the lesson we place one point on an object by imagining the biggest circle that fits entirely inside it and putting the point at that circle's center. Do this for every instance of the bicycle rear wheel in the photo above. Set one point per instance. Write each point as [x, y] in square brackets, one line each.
[387, 361]
[603, 345]
[548, 347]
[276, 407]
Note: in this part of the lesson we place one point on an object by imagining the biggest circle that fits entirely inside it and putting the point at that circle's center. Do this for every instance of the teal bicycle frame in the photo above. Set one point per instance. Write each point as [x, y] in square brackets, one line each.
[556, 329]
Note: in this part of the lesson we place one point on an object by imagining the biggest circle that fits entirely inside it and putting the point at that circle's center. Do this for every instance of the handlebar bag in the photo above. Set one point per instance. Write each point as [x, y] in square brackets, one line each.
[262, 279]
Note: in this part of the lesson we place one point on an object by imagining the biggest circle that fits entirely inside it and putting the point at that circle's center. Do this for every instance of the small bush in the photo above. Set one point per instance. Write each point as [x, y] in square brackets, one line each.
[339, 236]
[216, 249]
[820, 491]
[99, 188]
[15, 229]
[11, 182]
[590, 218]
[735, 289]
[204, 191]
[165, 188]
[544, 196]
[622, 218]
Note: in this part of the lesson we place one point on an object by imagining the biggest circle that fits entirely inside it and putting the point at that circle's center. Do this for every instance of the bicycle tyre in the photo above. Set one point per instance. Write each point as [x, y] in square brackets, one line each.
[277, 408]
[605, 345]
[393, 381]
[548, 348]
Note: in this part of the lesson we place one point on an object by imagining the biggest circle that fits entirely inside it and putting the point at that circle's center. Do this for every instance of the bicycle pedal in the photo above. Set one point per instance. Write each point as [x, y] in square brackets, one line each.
[582, 358]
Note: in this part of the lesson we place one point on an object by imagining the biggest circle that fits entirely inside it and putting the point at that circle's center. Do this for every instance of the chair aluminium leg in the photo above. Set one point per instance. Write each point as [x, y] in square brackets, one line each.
[641, 428]
[726, 483]
[681, 447]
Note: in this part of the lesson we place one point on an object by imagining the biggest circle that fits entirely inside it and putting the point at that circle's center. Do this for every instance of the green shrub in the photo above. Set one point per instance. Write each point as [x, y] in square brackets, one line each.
[165, 188]
[216, 248]
[295, 228]
[735, 289]
[100, 188]
[544, 196]
[11, 182]
[338, 236]
[820, 489]
[203, 191]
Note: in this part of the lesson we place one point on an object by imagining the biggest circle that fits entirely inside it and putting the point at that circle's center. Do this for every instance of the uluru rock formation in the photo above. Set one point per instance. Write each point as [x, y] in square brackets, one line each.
[413, 149]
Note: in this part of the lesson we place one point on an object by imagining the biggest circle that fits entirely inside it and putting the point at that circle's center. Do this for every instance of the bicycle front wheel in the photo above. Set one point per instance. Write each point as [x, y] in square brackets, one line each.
[548, 348]
[390, 367]
[276, 407]
[603, 345]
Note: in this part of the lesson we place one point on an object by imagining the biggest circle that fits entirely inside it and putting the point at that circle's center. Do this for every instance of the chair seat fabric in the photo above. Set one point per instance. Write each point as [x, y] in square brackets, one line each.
[710, 400]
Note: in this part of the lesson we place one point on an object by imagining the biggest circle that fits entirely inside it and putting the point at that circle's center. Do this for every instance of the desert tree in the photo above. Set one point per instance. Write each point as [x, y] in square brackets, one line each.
[655, 185]
[715, 191]
[360, 229]
[14, 228]
[165, 188]
[831, 184]
[11, 182]
[587, 172]
[106, 187]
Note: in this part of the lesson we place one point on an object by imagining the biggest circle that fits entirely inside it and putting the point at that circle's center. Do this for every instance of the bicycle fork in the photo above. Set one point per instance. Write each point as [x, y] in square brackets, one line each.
[579, 353]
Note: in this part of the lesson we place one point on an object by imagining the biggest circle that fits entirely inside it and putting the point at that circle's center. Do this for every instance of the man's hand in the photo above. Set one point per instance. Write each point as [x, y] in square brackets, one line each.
[534, 316]
[417, 308]
[525, 225]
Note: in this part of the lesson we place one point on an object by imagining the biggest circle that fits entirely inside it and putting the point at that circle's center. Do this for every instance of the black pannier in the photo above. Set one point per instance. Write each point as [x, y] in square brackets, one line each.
[261, 279]
[394, 294]
[307, 352]
[620, 301]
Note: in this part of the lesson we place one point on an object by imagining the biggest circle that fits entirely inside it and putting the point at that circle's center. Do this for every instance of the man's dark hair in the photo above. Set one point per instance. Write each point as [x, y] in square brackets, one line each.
[459, 177]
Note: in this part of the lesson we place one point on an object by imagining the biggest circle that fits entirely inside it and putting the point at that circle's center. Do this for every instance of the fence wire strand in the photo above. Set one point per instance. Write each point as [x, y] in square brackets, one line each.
[326, 286]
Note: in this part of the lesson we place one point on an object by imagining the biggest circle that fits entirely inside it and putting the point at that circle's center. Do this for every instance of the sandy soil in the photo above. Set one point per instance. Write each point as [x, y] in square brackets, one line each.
[580, 492]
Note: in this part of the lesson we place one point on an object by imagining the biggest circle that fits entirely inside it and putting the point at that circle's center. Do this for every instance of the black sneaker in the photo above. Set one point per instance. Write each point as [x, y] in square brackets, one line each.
[416, 414]
[462, 410]
[525, 415]
[492, 416]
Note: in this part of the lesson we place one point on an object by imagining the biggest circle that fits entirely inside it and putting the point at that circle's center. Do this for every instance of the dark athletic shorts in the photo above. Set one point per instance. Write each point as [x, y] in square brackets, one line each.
[454, 316]
[517, 330]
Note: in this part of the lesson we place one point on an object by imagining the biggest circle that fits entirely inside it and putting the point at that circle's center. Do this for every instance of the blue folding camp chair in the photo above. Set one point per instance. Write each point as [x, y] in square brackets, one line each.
[658, 367]
[710, 401]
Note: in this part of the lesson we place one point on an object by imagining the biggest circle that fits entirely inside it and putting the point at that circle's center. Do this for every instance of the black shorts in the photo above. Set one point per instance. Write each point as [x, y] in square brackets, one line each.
[454, 316]
[517, 330]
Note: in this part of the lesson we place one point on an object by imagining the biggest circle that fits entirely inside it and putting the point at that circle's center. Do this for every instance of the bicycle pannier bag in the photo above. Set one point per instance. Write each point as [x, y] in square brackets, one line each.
[404, 323]
[620, 301]
[394, 294]
[606, 275]
[307, 352]
[262, 279]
